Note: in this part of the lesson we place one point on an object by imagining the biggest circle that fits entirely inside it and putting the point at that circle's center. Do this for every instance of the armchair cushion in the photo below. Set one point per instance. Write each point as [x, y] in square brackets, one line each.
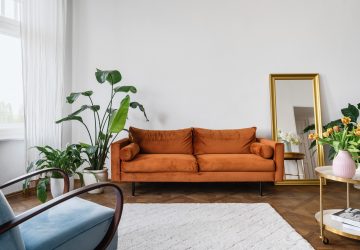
[10, 240]
[128, 152]
[73, 224]
[263, 150]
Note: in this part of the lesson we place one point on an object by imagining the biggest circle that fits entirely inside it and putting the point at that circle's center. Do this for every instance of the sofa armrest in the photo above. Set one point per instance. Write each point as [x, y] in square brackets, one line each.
[115, 158]
[278, 156]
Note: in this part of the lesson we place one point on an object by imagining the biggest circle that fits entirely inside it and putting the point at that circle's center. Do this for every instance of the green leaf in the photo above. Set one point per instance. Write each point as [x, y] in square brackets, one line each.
[41, 190]
[101, 135]
[135, 105]
[87, 93]
[309, 128]
[70, 118]
[118, 123]
[112, 76]
[72, 97]
[101, 75]
[91, 149]
[313, 144]
[358, 106]
[351, 111]
[125, 89]
[95, 108]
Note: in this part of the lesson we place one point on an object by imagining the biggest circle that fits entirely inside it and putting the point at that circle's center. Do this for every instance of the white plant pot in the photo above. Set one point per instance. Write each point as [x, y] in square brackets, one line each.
[95, 176]
[57, 186]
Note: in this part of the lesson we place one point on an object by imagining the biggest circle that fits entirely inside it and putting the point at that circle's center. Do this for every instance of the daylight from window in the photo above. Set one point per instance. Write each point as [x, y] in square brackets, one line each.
[11, 87]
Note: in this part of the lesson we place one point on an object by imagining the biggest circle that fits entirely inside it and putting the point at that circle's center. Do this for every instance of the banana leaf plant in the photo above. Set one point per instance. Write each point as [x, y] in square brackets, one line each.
[352, 111]
[68, 160]
[108, 124]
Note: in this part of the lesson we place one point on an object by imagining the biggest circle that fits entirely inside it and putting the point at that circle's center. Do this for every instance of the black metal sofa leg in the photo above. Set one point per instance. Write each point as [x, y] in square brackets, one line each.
[133, 188]
[260, 188]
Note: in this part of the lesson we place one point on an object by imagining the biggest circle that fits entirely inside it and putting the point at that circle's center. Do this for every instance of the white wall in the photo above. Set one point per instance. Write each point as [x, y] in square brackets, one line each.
[206, 63]
[12, 162]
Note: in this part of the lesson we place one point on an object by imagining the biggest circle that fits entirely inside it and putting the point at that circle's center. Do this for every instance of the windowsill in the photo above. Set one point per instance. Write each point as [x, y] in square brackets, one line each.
[13, 132]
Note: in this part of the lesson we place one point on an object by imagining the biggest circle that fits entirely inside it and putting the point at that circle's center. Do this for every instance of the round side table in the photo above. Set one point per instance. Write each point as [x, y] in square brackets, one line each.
[324, 216]
[295, 156]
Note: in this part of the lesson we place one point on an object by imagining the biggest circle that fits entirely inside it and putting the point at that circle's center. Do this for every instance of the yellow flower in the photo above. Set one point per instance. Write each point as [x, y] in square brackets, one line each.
[326, 134]
[346, 120]
[336, 128]
[313, 136]
[357, 132]
[330, 131]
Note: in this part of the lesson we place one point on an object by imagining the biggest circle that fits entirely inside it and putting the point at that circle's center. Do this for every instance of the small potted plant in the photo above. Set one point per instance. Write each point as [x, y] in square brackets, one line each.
[106, 125]
[68, 160]
[289, 139]
[346, 144]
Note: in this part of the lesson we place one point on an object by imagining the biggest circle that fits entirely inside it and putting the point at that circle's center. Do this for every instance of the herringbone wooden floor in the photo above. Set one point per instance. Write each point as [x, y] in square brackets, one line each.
[296, 204]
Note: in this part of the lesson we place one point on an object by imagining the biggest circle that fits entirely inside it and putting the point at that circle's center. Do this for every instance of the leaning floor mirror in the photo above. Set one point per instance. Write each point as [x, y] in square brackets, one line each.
[295, 105]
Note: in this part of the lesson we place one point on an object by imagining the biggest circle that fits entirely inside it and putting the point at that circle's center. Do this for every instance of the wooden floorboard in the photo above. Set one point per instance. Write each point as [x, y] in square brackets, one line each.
[296, 204]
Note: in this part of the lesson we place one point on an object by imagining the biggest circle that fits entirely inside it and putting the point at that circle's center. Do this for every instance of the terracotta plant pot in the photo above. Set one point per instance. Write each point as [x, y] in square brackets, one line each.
[95, 176]
[343, 165]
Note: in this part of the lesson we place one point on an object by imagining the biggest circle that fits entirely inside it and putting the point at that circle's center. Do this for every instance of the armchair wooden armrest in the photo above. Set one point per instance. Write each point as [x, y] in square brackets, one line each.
[38, 172]
[115, 158]
[41, 208]
[278, 156]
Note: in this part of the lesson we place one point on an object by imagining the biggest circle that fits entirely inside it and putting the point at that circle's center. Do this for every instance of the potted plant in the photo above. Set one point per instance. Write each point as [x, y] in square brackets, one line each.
[106, 125]
[352, 111]
[289, 139]
[68, 160]
[346, 145]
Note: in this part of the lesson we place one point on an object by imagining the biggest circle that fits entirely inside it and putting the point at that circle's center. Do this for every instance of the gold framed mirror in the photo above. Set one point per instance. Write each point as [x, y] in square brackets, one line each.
[295, 104]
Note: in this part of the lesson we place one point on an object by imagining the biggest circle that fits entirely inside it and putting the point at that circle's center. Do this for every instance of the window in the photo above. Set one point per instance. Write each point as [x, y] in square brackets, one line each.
[11, 87]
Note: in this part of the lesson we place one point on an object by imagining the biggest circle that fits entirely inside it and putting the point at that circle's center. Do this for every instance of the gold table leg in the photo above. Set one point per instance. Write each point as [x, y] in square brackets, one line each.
[322, 237]
[347, 195]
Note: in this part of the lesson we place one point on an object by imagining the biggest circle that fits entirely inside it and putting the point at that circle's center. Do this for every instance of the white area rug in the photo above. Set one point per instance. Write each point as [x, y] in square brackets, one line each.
[206, 226]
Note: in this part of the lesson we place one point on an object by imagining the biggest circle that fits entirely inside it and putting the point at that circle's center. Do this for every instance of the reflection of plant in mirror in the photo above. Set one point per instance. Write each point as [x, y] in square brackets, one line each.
[346, 138]
[350, 111]
[289, 137]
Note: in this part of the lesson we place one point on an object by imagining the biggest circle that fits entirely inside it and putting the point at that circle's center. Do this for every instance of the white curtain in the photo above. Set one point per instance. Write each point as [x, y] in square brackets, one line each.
[43, 37]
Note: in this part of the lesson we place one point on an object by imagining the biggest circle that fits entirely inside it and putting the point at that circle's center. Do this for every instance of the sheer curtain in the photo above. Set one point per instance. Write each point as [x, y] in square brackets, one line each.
[43, 37]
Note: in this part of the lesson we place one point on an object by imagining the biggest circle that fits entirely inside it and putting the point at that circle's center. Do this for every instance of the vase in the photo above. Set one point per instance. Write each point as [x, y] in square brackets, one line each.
[57, 185]
[95, 176]
[343, 165]
[288, 147]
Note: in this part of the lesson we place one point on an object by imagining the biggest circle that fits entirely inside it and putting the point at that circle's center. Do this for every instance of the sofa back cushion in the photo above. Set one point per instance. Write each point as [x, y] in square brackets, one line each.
[229, 141]
[163, 141]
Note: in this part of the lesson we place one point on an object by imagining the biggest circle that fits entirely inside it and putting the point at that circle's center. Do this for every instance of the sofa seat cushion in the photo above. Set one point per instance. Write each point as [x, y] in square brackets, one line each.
[73, 224]
[234, 163]
[155, 163]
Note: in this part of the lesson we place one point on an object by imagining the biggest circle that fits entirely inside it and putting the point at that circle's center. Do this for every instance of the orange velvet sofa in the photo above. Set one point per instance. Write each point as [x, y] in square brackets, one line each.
[196, 155]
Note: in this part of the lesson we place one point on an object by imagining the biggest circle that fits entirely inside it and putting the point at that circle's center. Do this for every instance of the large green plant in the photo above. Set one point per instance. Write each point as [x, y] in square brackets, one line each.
[351, 111]
[108, 125]
[68, 160]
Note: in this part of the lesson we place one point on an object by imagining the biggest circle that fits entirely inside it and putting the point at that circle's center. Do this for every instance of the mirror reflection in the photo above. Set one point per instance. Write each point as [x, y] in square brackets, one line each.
[295, 106]
[295, 111]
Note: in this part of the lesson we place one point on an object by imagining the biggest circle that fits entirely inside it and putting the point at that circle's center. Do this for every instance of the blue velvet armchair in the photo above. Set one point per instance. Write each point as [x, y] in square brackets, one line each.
[66, 222]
